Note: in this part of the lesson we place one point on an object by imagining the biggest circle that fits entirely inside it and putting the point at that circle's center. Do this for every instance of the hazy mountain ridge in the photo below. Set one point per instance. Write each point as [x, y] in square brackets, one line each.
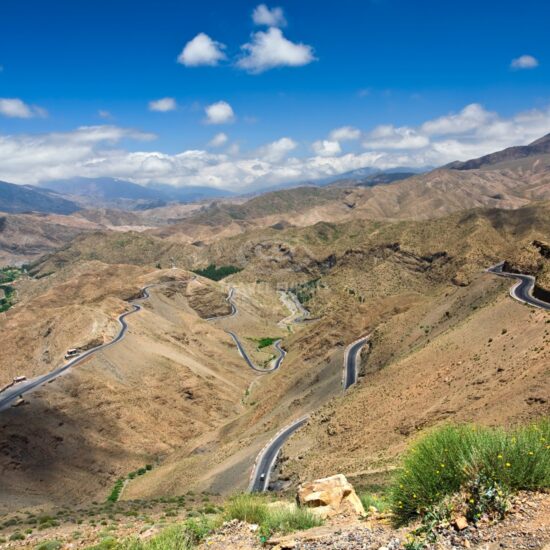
[26, 198]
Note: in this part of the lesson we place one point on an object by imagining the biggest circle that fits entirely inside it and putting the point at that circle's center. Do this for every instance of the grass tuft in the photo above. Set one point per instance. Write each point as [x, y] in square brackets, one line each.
[254, 509]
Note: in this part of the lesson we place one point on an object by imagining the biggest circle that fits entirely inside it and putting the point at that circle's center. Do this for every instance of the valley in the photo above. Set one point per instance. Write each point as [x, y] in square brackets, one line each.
[254, 345]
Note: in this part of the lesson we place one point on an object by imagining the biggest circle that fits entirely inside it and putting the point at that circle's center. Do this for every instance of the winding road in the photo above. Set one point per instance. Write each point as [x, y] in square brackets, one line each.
[244, 355]
[523, 289]
[10, 395]
[259, 480]
[350, 361]
[265, 462]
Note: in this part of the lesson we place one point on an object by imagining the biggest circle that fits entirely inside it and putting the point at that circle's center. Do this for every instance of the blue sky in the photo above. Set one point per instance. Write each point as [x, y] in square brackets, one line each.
[78, 79]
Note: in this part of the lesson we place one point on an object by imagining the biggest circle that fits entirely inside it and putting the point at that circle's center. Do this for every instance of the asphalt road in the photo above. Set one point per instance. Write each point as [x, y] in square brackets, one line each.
[10, 395]
[267, 458]
[523, 289]
[350, 361]
[305, 314]
[244, 355]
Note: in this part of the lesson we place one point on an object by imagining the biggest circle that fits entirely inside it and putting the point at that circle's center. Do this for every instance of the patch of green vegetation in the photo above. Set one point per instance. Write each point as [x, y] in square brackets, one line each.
[217, 273]
[380, 502]
[115, 493]
[486, 463]
[7, 300]
[119, 484]
[17, 536]
[9, 274]
[49, 545]
[106, 543]
[254, 509]
[265, 342]
[305, 291]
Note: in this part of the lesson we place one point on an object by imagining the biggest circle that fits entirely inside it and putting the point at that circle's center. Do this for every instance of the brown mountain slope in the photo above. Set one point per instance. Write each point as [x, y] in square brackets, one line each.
[539, 147]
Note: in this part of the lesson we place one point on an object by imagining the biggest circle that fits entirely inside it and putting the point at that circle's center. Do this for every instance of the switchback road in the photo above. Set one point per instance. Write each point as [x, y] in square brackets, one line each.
[523, 289]
[7, 397]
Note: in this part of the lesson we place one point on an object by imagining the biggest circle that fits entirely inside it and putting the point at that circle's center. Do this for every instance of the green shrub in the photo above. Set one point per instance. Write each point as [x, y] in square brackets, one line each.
[17, 536]
[264, 342]
[117, 488]
[249, 508]
[175, 537]
[287, 520]
[378, 501]
[450, 458]
[198, 528]
[107, 543]
[49, 545]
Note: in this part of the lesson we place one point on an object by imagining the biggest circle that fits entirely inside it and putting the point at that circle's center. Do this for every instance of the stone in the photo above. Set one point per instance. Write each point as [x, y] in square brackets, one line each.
[460, 522]
[330, 496]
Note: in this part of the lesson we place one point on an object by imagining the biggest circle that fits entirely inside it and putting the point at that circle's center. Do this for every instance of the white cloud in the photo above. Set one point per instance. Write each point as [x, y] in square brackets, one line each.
[219, 113]
[202, 50]
[271, 49]
[16, 108]
[95, 151]
[163, 105]
[345, 133]
[274, 17]
[104, 114]
[388, 136]
[471, 117]
[524, 62]
[277, 150]
[326, 148]
[218, 140]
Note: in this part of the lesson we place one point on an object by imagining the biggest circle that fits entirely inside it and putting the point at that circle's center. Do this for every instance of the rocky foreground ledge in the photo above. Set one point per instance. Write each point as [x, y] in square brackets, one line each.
[349, 527]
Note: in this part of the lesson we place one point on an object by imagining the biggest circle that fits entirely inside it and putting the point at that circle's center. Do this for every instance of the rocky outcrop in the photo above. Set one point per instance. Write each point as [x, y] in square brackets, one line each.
[330, 496]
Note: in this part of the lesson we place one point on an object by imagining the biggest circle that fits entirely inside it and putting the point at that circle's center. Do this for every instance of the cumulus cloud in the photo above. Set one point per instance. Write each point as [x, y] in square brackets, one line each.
[218, 140]
[163, 105]
[17, 108]
[274, 17]
[202, 50]
[471, 117]
[326, 148]
[387, 136]
[94, 151]
[219, 113]
[524, 62]
[345, 133]
[277, 150]
[271, 49]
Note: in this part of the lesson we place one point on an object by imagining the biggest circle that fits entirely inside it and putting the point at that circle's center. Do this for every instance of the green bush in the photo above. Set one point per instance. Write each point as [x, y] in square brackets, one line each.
[287, 520]
[175, 537]
[17, 536]
[264, 342]
[115, 493]
[380, 502]
[49, 545]
[249, 508]
[450, 458]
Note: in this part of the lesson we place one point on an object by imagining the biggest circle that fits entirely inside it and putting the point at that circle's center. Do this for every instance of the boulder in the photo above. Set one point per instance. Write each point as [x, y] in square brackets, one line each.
[330, 496]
